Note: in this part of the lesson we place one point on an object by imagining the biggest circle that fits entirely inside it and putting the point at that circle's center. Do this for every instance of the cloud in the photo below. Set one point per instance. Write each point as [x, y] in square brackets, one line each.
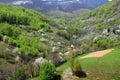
[60, 0]
[22, 2]
[43, 0]
[109, 0]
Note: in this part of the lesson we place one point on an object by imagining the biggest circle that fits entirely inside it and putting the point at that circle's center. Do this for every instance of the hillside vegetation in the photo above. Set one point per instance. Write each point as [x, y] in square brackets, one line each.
[105, 16]
[104, 68]
[20, 26]
[99, 28]
[29, 40]
[101, 68]
[25, 35]
[59, 15]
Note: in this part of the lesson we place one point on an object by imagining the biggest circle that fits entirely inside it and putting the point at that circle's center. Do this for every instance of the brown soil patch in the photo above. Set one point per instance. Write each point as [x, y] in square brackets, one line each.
[98, 53]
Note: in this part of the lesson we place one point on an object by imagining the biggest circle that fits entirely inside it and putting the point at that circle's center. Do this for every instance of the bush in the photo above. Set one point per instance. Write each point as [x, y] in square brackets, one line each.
[63, 33]
[31, 44]
[32, 70]
[9, 30]
[85, 48]
[99, 27]
[77, 69]
[47, 71]
[18, 75]
[1, 36]
[45, 26]
[103, 43]
[70, 56]
[76, 66]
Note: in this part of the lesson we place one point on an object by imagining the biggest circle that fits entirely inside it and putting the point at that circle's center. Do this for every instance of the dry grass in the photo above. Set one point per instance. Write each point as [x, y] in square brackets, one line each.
[98, 53]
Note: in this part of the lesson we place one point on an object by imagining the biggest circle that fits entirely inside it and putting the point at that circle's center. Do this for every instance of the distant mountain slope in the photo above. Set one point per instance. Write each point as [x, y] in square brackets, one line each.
[62, 6]
[57, 14]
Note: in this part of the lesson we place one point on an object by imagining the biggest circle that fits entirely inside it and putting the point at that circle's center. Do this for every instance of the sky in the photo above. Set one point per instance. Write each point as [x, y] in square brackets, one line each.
[19, 2]
[22, 2]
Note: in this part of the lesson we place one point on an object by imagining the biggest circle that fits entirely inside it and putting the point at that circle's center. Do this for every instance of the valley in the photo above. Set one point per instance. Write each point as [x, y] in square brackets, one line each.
[81, 44]
[65, 8]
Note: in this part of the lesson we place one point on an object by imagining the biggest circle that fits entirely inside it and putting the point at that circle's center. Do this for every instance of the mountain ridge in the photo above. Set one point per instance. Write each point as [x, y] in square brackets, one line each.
[62, 5]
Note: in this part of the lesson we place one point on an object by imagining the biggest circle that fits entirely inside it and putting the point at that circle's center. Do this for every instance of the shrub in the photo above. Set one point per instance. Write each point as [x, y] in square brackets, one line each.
[77, 69]
[47, 71]
[9, 30]
[43, 47]
[13, 42]
[85, 47]
[99, 27]
[45, 26]
[18, 75]
[103, 43]
[1, 36]
[55, 59]
[70, 56]
[76, 66]
[63, 33]
[31, 44]
[117, 21]
[32, 70]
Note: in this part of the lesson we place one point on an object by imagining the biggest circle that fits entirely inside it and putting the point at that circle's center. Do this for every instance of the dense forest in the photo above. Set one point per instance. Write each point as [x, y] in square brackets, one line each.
[25, 35]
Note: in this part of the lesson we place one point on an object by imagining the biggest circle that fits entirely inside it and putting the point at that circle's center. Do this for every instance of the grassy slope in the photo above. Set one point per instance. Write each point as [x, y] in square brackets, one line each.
[105, 68]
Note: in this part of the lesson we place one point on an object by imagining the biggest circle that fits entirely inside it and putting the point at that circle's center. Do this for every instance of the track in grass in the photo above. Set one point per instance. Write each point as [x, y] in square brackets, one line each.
[98, 53]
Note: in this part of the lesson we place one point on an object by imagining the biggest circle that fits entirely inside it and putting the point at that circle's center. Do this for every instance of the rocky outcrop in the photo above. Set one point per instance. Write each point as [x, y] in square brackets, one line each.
[39, 61]
[56, 59]
[15, 50]
[106, 32]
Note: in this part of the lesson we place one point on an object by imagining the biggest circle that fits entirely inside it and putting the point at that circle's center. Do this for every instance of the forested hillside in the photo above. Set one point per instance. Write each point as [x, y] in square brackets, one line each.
[18, 24]
[25, 35]
[106, 16]
[99, 27]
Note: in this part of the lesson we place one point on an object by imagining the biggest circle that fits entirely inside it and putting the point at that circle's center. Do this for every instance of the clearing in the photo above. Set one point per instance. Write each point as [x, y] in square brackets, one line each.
[98, 53]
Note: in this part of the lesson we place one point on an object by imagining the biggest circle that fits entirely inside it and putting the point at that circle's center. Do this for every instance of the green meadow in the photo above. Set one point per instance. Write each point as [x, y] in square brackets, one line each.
[103, 68]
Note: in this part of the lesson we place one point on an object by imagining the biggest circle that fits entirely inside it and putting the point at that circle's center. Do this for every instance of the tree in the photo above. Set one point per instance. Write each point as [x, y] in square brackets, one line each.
[77, 69]
[75, 65]
[47, 71]
[31, 44]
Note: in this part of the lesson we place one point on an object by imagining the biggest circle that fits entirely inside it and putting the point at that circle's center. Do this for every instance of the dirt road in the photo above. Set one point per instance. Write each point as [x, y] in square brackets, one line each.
[98, 53]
